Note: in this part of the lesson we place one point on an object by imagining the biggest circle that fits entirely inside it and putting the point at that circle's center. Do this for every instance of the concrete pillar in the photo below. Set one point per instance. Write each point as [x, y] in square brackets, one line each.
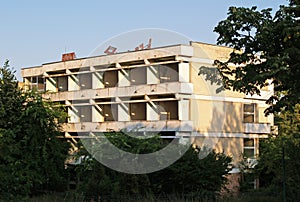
[27, 83]
[151, 112]
[152, 75]
[124, 79]
[51, 84]
[97, 80]
[123, 110]
[73, 115]
[97, 114]
[183, 110]
[184, 72]
[73, 83]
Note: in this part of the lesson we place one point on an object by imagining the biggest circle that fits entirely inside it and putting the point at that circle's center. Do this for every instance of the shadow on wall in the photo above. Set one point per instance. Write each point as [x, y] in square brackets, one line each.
[222, 126]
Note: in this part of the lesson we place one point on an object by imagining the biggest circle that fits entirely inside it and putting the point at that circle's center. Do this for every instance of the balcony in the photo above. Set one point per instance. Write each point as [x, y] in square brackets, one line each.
[257, 128]
[163, 88]
[140, 126]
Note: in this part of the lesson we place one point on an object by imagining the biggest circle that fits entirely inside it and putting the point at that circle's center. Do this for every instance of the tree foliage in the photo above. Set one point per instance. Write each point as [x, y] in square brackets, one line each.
[190, 176]
[31, 156]
[266, 51]
[270, 167]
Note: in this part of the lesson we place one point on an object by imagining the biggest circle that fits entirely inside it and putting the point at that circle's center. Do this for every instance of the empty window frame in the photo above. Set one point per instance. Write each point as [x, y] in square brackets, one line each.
[85, 81]
[249, 147]
[168, 73]
[36, 83]
[62, 83]
[110, 78]
[109, 112]
[168, 110]
[84, 113]
[249, 113]
[138, 76]
[137, 111]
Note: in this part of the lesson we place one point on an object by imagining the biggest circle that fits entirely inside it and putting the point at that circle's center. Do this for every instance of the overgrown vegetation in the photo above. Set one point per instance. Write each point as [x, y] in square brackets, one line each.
[31, 156]
[189, 177]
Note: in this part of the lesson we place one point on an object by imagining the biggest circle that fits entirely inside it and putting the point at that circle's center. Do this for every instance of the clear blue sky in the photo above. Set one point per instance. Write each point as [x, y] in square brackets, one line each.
[34, 32]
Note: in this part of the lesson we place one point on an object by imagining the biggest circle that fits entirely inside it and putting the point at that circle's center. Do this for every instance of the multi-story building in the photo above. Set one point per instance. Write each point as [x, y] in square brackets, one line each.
[155, 90]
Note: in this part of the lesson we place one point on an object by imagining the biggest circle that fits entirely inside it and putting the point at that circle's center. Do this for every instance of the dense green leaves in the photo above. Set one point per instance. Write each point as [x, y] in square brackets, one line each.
[266, 51]
[31, 156]
[189, 176]
[270, 167]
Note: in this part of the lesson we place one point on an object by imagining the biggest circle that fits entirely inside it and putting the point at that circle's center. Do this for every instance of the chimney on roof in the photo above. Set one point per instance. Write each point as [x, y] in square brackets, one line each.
[68, 56]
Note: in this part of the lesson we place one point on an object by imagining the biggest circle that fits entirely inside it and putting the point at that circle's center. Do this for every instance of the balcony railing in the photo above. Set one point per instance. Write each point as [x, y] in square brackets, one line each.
[257, 128]
[137, 126]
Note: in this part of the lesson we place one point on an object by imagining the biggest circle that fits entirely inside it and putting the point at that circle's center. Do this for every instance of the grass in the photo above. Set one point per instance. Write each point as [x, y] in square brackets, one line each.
[77, 197]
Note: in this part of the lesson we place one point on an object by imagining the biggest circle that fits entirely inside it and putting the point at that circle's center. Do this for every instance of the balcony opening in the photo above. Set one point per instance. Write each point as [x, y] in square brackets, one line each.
[85, 81]
[137, 111]
[109, 112]
[168, 110]
[168, 73]
[62, 83]
[110, 79]
[138, 76]
[84, 113]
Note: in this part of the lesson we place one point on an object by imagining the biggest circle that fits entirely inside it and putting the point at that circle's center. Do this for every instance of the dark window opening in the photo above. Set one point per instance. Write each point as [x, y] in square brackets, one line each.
[85, 81]
[168, 73]
[168, 110]
[138, 111]
[138, 76]
[110, 79]
[110, 112]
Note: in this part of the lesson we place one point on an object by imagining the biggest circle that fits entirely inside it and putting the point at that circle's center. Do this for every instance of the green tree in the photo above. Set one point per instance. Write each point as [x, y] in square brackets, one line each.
[266, 51]
[270, 168]
[190, 176]
[194, 177]
[31, 156]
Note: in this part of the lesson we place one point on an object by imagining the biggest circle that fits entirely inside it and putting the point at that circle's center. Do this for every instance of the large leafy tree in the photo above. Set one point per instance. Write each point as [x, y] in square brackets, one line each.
[266, 51]
[31, 156]
[276, 168]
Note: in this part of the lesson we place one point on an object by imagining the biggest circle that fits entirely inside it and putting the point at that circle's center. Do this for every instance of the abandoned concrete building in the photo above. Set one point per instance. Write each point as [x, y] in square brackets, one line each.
[157, 90]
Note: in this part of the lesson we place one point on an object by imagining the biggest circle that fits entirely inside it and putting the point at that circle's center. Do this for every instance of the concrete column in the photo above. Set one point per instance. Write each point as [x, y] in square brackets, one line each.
[51, 84]
[73, 115]
[124, 79]
[184, 72]
[97, 114]
[152, 75]
[123, 111]
[97, 80]
[27, 82]
[183, 110]
[151, 112]
[73, 83]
